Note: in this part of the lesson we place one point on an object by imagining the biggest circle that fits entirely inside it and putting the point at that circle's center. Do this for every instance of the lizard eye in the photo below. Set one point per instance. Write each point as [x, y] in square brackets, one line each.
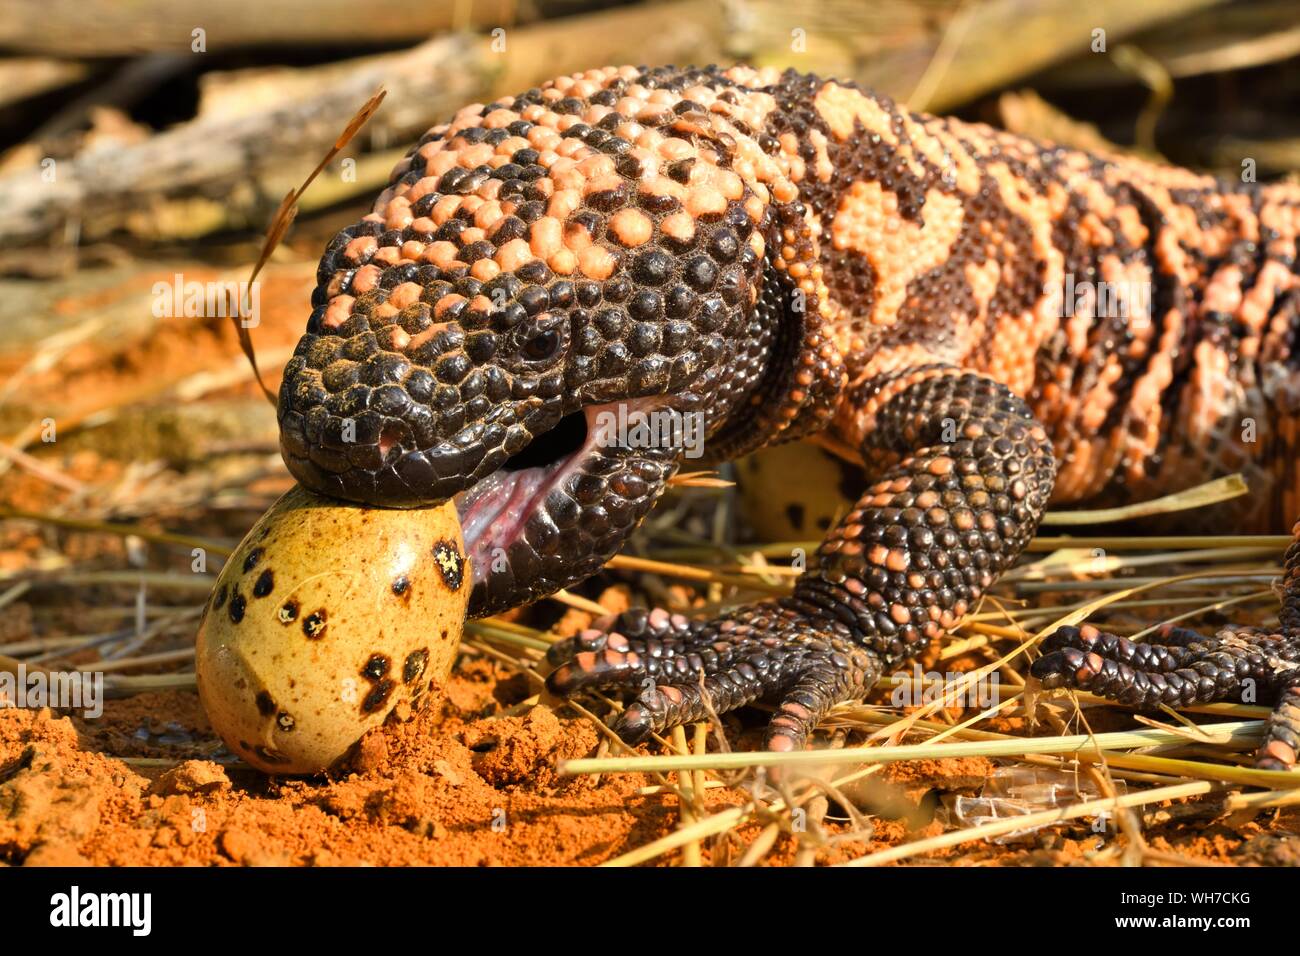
[542, 345]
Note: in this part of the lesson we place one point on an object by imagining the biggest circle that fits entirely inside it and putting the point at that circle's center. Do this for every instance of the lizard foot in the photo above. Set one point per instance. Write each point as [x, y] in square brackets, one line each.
[678, 670]
[1183, 667]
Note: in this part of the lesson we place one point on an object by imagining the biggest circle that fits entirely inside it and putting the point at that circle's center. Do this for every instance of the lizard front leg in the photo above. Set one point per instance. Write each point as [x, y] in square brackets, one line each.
[1183, 667]
[968, 475]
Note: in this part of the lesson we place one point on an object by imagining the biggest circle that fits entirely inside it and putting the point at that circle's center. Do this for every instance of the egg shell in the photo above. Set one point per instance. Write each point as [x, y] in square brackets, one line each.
[327, 616]
[796, 492]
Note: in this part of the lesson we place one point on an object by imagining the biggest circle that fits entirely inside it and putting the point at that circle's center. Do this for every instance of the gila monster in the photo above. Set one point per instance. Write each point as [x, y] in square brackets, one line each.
[779, 256]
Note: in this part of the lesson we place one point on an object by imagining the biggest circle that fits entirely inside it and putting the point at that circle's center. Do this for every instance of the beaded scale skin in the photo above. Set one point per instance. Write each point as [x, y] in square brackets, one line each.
[785, 255]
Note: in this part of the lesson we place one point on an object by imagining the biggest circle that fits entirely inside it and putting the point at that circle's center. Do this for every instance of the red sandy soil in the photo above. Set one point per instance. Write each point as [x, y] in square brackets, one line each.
[461, 784]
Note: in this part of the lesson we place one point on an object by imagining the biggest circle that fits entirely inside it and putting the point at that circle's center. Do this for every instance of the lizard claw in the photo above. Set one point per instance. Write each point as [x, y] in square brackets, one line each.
[682, 670]
[1183, 668]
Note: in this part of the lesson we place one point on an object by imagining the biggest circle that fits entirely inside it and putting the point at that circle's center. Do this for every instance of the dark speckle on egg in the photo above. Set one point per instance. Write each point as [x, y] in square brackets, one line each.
[313, 625]
[265, 704]
[254, 556]
[795, 512]
[288, 612]
[376, 667]
[450, 564]
[265, 583]
[402, 586]
[285, 721]
[415, 664]
[220, 599]
[377, 696]
[237, 604]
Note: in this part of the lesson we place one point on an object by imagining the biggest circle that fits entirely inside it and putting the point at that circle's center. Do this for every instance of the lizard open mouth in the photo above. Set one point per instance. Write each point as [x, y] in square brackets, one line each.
[495, 511]
[555, 511]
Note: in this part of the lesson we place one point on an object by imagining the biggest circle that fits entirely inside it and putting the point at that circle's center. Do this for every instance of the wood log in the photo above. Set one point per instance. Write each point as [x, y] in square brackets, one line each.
[946, 50]
[98, 28]
[225, 153]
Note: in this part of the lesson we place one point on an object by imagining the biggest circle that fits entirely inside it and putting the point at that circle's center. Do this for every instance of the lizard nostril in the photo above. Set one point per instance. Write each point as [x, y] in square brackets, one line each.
[542, 345]
[388, 437]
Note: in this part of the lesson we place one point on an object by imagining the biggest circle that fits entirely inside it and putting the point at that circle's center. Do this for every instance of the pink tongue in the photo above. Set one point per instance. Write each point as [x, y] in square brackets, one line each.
[497, 514]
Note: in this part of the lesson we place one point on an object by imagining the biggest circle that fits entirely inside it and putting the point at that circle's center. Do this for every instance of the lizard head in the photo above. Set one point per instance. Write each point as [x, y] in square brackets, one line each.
[556, 299]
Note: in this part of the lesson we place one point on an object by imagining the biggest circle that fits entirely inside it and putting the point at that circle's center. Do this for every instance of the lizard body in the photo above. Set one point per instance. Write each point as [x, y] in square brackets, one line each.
[990, 322]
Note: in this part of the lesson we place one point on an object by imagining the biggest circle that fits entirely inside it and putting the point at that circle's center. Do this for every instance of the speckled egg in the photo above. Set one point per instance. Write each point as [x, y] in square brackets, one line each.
[327, 616]
[796, 491]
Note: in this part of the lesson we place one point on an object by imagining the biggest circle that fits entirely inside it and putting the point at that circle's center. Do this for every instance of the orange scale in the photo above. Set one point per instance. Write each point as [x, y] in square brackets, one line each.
[576, 236]
[564, 203]
[446, 302]
[511, 145]
[573, 149]
[421, 188]
[631, 227]
[542, 138]
[564, 262]
[545, 237]
[485, 270]
[408, 293]
[705, 201]
[338, 311]
[499, 119]
[476, 155]
[365, 279]
[441, 254]
[673, 149]
[601, 184]
[514, 254]
[399, 216]
[488, 215]
[679, 226]
[360, 249]
[445, 208]
[443, 162]
[596, 165]
[596, 262]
